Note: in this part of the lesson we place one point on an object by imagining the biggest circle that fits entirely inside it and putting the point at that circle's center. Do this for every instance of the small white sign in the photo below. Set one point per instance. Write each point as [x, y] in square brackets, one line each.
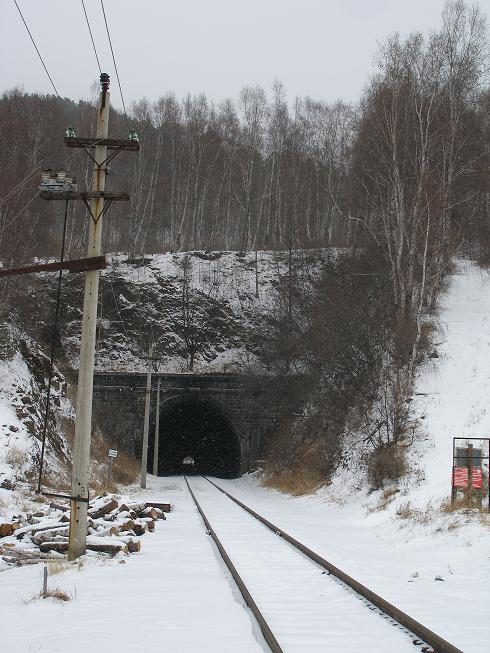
[112, 453]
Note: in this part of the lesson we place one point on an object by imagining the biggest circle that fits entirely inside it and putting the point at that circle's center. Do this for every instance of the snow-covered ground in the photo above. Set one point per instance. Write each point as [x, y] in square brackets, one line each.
[176, 593]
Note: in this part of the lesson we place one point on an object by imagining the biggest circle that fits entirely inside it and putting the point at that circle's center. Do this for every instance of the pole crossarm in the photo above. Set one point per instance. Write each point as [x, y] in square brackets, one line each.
[86, 195]
[110, 143]
[116, 146]
[77, 265]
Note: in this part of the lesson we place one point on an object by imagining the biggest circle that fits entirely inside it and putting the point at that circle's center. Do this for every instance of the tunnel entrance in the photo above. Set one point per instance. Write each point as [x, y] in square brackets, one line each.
[199, 429]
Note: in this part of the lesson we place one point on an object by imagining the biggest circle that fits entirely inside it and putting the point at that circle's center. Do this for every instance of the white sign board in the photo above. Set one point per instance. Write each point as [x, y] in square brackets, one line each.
[112, 453]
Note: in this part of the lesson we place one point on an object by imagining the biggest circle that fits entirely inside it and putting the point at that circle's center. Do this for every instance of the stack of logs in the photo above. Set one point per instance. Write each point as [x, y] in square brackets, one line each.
[113, 527]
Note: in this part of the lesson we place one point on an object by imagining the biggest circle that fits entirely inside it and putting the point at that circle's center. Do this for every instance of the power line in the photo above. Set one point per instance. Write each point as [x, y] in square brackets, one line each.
[37, 50]
[14, 190]
[114, 59]
[16, 216]
[91, 36]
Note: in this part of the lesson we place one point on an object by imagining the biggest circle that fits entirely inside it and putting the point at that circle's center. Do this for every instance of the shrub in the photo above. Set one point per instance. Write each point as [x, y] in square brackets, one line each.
[298, 482]
[386, 463]
[16, 458]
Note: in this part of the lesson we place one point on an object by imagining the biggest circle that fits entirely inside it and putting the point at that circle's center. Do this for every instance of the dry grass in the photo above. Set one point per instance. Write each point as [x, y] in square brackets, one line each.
[464, 505]
[385, 499]
[57, 593]
[52, 593]
[16, 458]
[56, 568]
[405, 511]
[298, 482]
[60, 566]
[4, 505]
[125, 469]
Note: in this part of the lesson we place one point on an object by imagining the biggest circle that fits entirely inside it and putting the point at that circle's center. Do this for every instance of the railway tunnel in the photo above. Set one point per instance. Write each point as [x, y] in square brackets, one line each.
[224, 421]
[199, 429]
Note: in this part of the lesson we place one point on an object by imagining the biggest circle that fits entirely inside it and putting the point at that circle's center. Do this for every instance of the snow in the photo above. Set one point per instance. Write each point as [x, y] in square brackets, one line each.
[176, 593]
[455, 390]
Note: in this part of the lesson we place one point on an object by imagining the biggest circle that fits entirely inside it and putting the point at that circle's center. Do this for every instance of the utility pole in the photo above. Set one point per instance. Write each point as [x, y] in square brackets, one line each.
[83, 424]
[144, 452]
[97, 208]
[157, 432]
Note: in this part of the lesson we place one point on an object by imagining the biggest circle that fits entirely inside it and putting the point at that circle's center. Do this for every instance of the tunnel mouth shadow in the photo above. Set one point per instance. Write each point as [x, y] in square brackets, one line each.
[196, 428]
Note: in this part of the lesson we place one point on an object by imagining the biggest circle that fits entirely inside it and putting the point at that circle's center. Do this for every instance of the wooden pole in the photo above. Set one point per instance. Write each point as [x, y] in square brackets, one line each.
[83, 423]
[144, 452]
[157, 432]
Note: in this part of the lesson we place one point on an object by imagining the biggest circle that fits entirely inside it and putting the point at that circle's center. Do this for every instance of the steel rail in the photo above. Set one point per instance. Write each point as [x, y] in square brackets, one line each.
[439, 644]
[264, 627]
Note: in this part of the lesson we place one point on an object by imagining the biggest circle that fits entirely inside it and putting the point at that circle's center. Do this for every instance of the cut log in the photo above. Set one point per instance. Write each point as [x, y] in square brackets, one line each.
[108, 532]
[164, 507]
[29, 554]
[127, 525]
[62, 547]
[65, 518]
[140, 528]
[149, 512]
[134, 546]
[49, 536]
[47, 526]
[95, 513]
[150, 522]
[59, 506]
[8, 528]
[137, 507]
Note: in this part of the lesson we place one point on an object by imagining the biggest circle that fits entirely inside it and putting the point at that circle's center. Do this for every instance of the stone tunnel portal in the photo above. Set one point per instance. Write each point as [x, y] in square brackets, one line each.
[198, 428]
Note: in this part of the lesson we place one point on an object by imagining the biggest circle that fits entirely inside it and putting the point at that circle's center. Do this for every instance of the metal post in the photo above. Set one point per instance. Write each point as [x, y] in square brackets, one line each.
[83, 424]
[256, 274]
[157, 432]
[144, 452]
[470, 472]
[45, 582]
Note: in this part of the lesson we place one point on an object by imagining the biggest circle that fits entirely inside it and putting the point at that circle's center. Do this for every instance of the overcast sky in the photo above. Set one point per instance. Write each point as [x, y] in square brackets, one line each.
[321, 48]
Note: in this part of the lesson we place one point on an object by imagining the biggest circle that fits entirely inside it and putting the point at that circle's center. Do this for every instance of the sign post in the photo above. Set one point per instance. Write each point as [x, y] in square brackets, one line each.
[112, 453]
[468, 468]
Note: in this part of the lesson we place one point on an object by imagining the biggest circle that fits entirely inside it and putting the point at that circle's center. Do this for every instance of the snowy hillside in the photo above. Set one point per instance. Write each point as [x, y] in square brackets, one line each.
[143, 299]
[23, 374]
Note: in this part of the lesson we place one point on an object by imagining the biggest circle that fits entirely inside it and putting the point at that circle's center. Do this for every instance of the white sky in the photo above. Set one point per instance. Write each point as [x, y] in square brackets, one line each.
[321, 48]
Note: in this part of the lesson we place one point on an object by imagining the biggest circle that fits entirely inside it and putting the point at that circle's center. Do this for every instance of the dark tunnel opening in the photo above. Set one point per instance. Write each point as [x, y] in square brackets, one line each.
[198, 429]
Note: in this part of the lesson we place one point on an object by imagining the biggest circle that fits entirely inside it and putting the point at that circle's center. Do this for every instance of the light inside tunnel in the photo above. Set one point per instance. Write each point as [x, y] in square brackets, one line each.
[199, 429]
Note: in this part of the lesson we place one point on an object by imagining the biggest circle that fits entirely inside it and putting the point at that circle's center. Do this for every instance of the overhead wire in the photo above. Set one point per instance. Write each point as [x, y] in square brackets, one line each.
[14, 190]
[37, 49]
[91, 36]
[47, 408]
[5, 227]
[114, 60]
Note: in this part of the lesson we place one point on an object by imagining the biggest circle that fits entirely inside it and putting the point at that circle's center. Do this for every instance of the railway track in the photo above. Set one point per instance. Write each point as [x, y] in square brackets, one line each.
[301, 601]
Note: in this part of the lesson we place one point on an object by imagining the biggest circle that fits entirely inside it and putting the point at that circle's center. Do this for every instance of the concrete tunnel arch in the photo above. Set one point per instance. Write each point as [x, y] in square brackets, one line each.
[196, 427]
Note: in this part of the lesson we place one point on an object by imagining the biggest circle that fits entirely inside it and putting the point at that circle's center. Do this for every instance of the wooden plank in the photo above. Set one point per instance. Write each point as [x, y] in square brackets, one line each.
[79, 265]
